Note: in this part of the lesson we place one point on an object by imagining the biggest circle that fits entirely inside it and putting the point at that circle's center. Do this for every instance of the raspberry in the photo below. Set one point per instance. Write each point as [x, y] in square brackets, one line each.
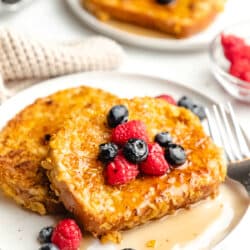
[239, 67]
[246, 76]
[234, 47]
[234, 53]
[167, 98]
[229, 41]
[120, 171]
[155, 164]
[132, 129]
[67, 235]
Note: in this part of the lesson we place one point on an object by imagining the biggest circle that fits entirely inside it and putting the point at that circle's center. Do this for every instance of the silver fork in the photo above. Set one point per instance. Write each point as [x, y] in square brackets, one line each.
[226, 132]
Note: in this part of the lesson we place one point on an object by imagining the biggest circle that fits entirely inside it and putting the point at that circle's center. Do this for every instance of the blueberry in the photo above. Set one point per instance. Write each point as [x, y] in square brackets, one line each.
[175, 154]
[117, 115]
[135, 150]
[47, 137]
[48, 246]
[163, 139]
[107, 152]
[165, 1]
[199, 111]
[186, 102]
[45, 234]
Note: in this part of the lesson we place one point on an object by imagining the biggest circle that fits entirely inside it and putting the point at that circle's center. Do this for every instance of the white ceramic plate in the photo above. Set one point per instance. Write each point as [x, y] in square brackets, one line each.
[236, 10]
[18, 227]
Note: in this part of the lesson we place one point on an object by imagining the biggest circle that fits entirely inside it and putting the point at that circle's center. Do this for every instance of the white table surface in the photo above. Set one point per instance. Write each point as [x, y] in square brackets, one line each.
[53, 20]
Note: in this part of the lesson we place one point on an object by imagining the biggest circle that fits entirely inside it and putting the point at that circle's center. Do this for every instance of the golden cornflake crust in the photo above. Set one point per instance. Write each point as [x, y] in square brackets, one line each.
[24, 143]
[78, 179]
[182, 18]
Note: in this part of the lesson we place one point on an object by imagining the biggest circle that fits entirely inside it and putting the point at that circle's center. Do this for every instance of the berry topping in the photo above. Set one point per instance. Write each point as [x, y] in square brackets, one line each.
[128, 249]
[107, 152]
[164, 1]
[155, 164]
[186, 102]
[67, 235]
[117, 115]
[121, 171]
[132, 129]
[45, 235]
[49, 246]
[135, 150]
[163, 139]
[199, 111]
[167, 98]
[175, 155]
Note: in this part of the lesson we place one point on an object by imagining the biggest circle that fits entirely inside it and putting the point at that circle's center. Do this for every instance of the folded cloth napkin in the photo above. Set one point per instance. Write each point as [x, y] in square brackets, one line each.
[25, 59]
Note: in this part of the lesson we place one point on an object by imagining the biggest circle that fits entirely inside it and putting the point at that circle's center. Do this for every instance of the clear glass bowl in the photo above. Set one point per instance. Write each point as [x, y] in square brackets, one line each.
[220, 65]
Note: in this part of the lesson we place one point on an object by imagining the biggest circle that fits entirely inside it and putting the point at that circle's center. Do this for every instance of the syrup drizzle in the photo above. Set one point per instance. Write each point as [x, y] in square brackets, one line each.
[200, 227]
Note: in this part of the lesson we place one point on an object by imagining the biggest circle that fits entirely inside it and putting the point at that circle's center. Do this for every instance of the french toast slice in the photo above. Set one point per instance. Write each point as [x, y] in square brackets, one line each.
[78, 176]
[24, 143]
[181, 18]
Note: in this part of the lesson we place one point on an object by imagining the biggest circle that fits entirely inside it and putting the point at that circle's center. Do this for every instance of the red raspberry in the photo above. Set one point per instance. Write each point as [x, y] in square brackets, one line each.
[239, 67]
[129, 130]
[155, 164]
[234, 47]
[234, 53]
[229, 41]
[167, 98]
[67, 235]
[246, 76]
[120, 171]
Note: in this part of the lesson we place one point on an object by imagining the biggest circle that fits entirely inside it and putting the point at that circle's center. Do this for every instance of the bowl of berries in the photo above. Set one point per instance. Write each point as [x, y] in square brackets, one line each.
[230, 57]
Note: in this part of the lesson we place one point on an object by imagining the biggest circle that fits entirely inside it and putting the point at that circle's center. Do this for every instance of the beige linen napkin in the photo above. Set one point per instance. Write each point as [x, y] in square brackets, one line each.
[25, 60]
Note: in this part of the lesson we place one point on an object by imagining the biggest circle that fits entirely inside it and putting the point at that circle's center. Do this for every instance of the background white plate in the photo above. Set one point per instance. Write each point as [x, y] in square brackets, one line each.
[236, 10]
[18, 227]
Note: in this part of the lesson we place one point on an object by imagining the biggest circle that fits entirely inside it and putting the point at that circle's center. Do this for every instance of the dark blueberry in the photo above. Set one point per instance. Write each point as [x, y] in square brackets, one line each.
[117, 115]
[186, 102]
[48, 246]
[47, 137]
[45, 234]
[175, 155]
[135, 150]
[164, 1]
[163, 139]
[199, 111]
[107, 152]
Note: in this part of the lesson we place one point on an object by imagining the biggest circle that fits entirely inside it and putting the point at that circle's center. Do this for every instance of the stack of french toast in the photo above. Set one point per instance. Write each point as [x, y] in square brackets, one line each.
[63, 153]
[179, 18]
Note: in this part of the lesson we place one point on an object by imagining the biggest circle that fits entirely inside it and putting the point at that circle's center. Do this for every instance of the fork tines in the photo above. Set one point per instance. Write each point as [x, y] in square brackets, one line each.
[226, 132]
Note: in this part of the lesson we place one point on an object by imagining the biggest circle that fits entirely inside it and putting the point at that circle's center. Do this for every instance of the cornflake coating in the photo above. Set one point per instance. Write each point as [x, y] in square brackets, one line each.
[103, 210]
[181, 18]
[24, 143]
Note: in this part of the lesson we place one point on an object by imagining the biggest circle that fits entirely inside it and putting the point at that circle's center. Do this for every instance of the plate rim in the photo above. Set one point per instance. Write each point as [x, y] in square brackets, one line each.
[54, 81]
[116, 73]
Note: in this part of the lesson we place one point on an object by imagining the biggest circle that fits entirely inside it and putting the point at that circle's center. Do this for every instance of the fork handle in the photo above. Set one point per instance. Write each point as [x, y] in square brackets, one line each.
[240, 171]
